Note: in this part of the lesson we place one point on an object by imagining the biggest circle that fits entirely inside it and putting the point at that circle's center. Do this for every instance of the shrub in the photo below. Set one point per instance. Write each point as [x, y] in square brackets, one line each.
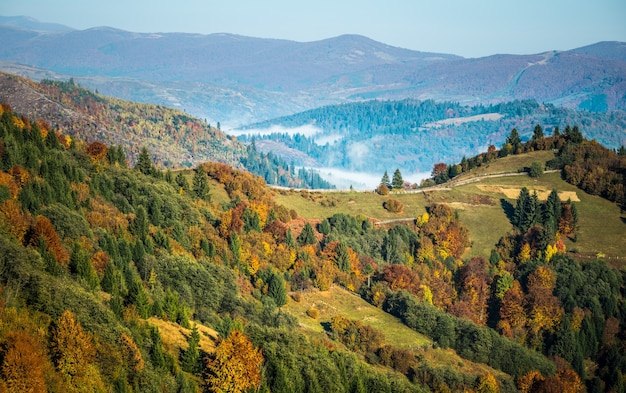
[536, 169]
[393, 205]
[313, 312]
[382, 189]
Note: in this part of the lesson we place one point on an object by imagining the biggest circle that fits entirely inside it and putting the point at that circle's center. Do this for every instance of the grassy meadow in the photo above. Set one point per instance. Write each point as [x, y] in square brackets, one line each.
[482, 205]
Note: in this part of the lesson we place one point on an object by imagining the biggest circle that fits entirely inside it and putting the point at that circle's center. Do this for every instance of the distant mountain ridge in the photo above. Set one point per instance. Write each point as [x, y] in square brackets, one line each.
[239, 80]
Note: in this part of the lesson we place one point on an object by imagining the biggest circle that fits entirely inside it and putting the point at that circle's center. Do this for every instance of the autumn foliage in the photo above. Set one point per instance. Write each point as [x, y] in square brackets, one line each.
[235, 366]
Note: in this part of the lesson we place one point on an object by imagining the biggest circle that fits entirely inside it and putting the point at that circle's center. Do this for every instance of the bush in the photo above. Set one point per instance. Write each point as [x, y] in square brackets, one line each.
[393, 205]
[313, 312]
[382, 189]
[536, 169]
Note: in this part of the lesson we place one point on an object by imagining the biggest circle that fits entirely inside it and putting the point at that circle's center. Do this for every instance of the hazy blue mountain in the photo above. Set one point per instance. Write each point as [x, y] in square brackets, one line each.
[238, 80]
[28, 23]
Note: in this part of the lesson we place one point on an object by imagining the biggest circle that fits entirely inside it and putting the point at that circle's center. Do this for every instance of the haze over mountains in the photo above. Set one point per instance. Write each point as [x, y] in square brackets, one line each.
[238, 80]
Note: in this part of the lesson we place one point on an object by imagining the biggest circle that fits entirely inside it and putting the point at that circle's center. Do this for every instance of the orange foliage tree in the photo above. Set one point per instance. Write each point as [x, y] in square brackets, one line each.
[235, 366]
[97, 151]
[44, 230]
[23, 366]
[11, 216]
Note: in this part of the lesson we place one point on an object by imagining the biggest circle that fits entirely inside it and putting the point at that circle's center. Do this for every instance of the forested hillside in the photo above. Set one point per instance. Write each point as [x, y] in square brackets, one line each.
[130, 278]
[376, 136]
[174, 138]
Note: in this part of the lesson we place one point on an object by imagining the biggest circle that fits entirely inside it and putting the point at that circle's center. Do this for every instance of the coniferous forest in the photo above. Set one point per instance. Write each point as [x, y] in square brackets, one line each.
[131, 278]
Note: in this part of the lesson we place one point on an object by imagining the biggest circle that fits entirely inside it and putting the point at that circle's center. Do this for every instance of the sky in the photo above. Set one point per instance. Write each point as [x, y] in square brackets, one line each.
[469, 28]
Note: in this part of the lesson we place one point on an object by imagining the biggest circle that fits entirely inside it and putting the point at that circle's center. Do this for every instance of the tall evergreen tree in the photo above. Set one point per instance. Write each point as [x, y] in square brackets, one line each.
[520, 206]
[191, 357]
[276, 289]
[201, 183]
[144, 163]
[397, 181]
[307, 236]
[140, 224]
[181, 181]
[514, 140]
[385, 180]
[537, 132]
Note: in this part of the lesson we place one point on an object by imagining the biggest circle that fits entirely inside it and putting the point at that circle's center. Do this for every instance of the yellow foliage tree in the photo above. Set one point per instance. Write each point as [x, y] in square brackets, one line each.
[487, 384]
[73, 351]
[235, 367]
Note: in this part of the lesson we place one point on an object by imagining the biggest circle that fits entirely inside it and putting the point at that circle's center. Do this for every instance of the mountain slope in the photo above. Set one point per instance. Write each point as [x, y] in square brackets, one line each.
[175, 138]
[239, 80]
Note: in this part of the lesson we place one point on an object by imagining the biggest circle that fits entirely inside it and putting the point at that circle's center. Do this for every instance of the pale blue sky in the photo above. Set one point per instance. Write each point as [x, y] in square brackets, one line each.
[470, 28]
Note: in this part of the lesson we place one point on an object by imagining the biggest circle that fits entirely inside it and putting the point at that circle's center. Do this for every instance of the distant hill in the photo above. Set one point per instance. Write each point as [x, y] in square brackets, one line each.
[374, 136]
[28, 23]
[239, 80]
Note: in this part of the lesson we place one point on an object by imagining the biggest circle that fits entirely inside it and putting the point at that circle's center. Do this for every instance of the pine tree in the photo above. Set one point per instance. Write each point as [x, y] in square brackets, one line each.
[276, 289]
[397, 181]
[191, 356]
[181, 182]
[522, 202]
[201, 183]
[140, 224]
[307, 236]
[385, 180]
[537, 132]
[156, 353]
[144, 163]
[514, 140]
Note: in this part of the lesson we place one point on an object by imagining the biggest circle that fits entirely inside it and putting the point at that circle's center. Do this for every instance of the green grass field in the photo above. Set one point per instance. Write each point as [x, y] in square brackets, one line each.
[481, 207]
[338, 301]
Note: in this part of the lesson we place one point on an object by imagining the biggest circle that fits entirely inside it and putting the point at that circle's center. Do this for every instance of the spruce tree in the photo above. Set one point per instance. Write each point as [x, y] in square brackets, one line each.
[181, 182]
[144, 163]
[514, 140]
[397, 181]
[276, 289]
[191, 357]
[385, 180]
[201, 183]
[307, 236]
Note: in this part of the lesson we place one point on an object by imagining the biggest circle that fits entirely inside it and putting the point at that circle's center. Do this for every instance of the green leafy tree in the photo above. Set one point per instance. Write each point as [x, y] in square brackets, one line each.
[536, 169]
[397, 181]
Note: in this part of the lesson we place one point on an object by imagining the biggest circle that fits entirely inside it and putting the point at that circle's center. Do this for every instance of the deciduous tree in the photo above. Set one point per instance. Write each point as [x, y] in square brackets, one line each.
[235, 367]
